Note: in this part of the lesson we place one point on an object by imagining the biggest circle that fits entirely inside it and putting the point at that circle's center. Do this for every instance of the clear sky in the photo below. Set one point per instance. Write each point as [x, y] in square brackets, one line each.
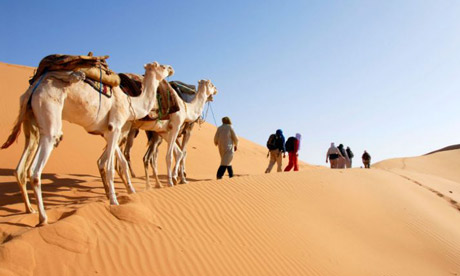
[377, 75]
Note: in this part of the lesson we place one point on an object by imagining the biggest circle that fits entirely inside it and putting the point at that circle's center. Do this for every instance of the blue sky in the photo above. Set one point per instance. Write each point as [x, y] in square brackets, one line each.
[377, 75]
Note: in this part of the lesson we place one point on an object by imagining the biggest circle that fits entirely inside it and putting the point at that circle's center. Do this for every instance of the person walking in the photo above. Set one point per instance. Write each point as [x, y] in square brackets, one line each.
[343, 161]
[333, 155]
[227, 142]
[366, 160]
[350, 156]
[276, 147]
[292, 147]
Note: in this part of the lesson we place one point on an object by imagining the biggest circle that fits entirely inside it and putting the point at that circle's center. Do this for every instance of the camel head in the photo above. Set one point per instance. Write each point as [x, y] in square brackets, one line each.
[160, 71]
[209, 89]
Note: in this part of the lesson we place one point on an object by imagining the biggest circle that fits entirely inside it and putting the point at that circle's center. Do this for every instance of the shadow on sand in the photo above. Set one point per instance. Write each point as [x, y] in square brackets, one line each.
[58, 192]
[64, 191]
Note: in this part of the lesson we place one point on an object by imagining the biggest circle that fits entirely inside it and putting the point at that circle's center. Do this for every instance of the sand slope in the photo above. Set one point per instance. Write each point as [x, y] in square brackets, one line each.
[399, 218]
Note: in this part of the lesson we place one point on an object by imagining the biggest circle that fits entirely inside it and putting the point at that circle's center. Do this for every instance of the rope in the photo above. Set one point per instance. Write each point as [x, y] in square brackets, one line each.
[159, 104]
[100, 90]
[169, 103]
[131, 106]
[204, 115]
[212, 112]
[36, 85]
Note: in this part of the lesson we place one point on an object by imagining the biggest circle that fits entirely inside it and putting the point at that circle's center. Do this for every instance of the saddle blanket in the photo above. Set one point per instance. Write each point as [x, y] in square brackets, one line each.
[131, 84]
[95, 68]
[104, 89]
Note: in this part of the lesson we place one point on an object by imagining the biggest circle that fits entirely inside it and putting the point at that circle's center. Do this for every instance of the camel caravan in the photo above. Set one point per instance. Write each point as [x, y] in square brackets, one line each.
[84, 91]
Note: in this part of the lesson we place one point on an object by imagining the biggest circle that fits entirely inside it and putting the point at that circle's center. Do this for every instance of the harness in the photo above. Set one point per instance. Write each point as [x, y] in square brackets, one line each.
[36, 85]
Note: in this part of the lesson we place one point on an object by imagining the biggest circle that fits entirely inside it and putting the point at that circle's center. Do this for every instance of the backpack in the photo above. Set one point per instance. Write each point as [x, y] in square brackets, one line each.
[366, 156]
[350, 153]
[271, 143]
[290, 144]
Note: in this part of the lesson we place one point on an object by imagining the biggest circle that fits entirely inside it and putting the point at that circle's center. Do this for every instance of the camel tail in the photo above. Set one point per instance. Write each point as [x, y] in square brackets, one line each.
[21, 117]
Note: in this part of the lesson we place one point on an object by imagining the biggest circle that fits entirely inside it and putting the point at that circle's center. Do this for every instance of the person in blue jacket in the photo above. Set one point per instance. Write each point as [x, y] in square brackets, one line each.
[276, 147]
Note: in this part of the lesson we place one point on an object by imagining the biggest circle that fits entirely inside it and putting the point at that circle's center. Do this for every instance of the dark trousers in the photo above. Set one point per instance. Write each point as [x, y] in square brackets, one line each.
[367, 164]
[222, 169]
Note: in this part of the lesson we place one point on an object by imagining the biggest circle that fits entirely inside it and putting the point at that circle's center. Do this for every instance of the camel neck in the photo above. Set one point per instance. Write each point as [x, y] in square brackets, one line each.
[143, 104]
[195, 108]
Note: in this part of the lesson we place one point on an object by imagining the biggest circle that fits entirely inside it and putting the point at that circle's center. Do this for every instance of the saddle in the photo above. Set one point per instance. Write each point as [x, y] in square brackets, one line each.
[131, 84]
[95, 68]
[186, 92]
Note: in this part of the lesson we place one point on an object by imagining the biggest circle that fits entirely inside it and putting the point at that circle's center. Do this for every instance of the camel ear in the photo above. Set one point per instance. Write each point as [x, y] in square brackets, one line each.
[155, 64]
[171, 71]
[146, 65]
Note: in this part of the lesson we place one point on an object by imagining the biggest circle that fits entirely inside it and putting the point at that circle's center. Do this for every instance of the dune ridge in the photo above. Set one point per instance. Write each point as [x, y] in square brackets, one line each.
[399, 218]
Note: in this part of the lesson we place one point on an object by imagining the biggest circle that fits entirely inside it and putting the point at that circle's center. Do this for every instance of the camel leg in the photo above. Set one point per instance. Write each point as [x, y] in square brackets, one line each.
[100, 166]
[185, 140]
[129, 144]
[154, 163]
[107, 163]
[49, 123]
[171, 139]
[22, 170]
[45, 147]
[123, 172]
[151, 157]
[145, 160]
[178, 157]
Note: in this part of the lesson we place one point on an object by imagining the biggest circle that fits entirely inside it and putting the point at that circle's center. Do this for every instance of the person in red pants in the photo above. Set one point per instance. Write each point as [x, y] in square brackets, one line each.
[292, 147]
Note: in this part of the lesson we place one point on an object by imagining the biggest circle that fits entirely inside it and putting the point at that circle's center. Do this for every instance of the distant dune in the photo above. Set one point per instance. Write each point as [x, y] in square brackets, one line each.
[401, 217]
[453, 147]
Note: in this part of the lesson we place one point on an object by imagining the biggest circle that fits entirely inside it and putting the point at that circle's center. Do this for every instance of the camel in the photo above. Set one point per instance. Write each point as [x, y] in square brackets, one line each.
[170, 129]
[151, 155]
[62, 95]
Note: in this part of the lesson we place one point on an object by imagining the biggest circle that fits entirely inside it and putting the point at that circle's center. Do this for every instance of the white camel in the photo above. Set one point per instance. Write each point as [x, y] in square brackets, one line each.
[61, 96]
[151, 155]
[170, 129]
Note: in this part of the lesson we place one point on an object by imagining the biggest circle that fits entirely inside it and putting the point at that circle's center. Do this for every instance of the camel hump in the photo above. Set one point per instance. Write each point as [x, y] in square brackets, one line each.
[93, 67]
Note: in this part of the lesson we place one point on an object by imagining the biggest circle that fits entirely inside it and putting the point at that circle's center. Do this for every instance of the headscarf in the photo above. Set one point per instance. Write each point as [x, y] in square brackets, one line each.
[279, 134]
[298, 137]
[226, 120]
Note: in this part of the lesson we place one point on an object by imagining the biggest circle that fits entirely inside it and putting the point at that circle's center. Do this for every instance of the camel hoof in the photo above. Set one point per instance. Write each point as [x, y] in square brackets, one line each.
[31, 211]
[183, 181]
[114, 202]
[42, 222]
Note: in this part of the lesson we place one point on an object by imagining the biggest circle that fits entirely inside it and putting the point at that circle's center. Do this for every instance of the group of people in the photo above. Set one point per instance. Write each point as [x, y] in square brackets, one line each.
[227, 142]
[341, 158]
[277, 148]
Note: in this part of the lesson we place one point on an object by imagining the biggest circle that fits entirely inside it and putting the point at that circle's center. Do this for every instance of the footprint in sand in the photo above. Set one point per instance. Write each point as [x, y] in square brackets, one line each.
[132, 212]
[72, 233]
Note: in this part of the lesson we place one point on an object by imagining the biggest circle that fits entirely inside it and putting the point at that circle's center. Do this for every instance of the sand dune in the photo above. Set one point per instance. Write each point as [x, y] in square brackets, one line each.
[399, 218]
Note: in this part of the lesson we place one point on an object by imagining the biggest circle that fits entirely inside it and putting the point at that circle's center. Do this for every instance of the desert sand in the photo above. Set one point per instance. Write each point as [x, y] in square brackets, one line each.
[401, 217]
